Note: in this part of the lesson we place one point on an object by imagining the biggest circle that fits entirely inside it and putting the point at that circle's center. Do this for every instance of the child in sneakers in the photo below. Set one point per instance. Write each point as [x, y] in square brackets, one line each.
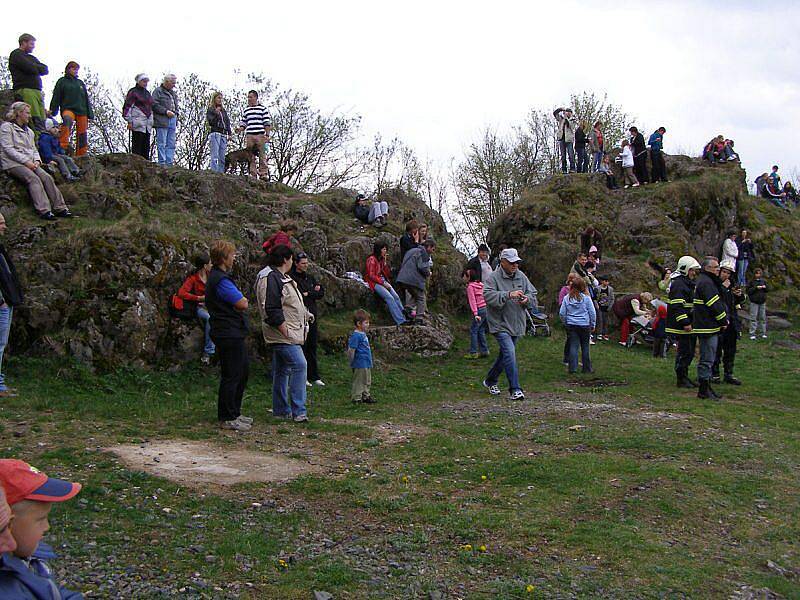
[360, 355]
[477, 330]
[757, 293]
[31, 494]
[605, 300]
[53, 154]
[627, 165]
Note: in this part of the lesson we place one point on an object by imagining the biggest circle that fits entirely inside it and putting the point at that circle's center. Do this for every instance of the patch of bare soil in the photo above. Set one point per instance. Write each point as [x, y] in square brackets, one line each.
[202, 462]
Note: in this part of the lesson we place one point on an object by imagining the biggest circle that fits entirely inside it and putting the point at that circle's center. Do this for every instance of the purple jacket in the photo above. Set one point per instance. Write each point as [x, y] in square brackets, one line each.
[31, 579]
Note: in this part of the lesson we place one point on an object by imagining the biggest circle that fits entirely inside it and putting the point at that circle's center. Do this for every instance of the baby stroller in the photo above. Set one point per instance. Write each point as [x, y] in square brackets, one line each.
[537, 323]
[645, 331]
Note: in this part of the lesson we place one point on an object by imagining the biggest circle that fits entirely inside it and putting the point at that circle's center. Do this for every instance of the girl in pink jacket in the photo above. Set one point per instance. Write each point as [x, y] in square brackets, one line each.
[478, 347]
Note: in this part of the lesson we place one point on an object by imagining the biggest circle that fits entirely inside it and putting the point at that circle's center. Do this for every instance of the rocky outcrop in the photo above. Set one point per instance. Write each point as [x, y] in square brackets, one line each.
[97, 287]
[649, 226]
[432, 337]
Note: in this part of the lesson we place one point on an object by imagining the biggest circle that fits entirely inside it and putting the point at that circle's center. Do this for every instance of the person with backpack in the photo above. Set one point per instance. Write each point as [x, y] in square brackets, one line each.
[189, 302]
[639, 151]
[656, 143]
[566, 123]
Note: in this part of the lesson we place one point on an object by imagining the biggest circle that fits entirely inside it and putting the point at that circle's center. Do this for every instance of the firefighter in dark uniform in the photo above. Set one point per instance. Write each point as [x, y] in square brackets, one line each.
[679, 317]
[709, 318]
[733, 297]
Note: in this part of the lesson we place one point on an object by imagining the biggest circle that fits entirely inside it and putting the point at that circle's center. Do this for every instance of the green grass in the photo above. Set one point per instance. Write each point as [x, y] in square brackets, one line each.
[657, 495]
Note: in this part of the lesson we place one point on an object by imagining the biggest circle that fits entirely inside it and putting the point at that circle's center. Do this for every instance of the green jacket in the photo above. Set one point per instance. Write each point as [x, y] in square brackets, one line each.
[70, 94]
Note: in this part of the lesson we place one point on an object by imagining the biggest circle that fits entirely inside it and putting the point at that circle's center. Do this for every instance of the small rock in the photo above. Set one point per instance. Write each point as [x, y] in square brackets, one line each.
[322, 595]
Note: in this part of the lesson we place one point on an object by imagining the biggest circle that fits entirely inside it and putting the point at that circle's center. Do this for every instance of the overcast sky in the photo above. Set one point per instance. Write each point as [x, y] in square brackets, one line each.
[434, 73]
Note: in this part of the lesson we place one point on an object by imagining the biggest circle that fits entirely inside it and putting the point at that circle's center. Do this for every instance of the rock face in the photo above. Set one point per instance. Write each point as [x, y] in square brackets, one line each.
[431, 338]
[649, 226]
[98, 287]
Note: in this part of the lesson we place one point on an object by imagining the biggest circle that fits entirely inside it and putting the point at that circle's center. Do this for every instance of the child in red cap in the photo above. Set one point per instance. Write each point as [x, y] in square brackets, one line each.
[31, 493]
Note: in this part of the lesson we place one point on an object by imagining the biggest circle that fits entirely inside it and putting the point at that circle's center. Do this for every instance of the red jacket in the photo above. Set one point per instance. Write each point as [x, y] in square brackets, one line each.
[193, 289]
[276, 239]
[377, 272]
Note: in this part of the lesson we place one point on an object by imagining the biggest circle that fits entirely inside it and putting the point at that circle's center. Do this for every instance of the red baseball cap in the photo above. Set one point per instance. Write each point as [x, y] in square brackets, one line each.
[24, 482]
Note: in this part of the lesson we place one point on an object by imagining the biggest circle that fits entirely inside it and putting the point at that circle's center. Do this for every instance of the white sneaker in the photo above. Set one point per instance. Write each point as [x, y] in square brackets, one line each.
[301, 419]
[319, 382]
[493, 389]
[235, 425]
[635, 185]
[245, 420]
[517, 395]
[763, 337]
[591, 342]
[752, 337]
[308, 384]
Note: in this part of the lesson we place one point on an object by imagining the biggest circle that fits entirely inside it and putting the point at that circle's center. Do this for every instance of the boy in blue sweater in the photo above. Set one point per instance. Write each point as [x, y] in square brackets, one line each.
[360, 355]
[52, 153]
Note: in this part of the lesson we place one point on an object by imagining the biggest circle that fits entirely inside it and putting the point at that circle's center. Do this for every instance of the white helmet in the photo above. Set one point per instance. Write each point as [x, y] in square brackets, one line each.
[686, 263]
[728, 265]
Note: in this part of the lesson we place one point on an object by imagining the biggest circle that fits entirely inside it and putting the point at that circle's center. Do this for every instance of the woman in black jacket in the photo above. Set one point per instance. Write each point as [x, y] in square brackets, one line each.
[639, 149]
[220, 125]
[10, 296]
[580, 147]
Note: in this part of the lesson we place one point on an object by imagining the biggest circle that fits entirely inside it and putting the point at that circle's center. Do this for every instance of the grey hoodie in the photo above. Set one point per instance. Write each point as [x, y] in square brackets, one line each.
[416, 268]
[504, 315]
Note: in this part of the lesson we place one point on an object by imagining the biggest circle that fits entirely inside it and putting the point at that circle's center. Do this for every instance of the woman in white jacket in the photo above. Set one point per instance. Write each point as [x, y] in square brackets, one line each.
[627, 165]
[729, 249]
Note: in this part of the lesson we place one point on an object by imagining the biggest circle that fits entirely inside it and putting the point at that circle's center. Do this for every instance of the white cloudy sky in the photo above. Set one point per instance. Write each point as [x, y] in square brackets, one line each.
[434, 73]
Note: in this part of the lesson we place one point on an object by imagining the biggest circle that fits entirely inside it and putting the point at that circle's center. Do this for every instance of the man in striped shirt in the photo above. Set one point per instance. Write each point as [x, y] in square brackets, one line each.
[256, 124]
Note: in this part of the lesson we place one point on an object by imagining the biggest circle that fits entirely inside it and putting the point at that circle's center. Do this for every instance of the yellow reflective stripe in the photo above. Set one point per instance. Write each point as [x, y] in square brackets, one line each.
[720, 316]
[678, 331]
[714, 330]
[698, 301]
[713, 299]
[681, 317]
[687, 305]
[674, 300]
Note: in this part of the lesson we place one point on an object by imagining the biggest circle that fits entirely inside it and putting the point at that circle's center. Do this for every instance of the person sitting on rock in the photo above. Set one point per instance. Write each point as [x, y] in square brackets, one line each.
[605, 168]
[53, 154]
[790, 194]
[378, 277]
[282, 237]
[191, 297]
[414, 273]
[773, 193]
[371, 214]
[627, 307]
[21, 160]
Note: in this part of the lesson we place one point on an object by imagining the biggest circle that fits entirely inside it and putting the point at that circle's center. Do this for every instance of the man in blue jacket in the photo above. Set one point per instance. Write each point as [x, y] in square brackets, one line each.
[656, 143]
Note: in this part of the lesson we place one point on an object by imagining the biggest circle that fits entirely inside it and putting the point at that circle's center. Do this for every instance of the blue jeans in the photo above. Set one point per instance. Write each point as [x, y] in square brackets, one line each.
[596, 161]
[506, 361]
[6, 312]
[578, 337]
[219, 144]
[708, 354]
[477, 334]
[567, 151]
[165, 142]
[393, 303]
[288, 380]
[741, 270]
[208, 346]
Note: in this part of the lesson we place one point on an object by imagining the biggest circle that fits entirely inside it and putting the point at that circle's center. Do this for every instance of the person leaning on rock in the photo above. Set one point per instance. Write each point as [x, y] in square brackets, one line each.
[507, 292]
[21, 160]
[229, 329]
[26, 79]
[10, 297]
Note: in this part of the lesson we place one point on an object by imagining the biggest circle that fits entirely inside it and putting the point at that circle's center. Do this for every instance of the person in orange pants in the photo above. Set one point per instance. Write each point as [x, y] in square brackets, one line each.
[72, 99]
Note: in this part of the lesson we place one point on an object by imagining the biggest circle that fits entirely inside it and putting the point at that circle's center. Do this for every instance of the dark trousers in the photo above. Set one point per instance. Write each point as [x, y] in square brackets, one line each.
[578, 337]
[726, 352]
[640, 167]
[310, 352]
[659, 166]
[685, 354]
[140, 144]
[234, 371]
[611, 182]
[583, 159]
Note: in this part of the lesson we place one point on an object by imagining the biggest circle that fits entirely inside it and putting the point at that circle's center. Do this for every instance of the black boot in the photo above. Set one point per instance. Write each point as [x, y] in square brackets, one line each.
[716, 379]
[712, 394]
[729, 378]
[684, 382]
[703, 391]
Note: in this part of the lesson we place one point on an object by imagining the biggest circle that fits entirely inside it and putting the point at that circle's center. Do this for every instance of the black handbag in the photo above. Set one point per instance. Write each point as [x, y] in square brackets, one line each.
[189, 310]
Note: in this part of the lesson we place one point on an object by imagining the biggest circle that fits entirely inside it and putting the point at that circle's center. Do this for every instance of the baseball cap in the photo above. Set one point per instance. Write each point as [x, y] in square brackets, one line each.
[24, 482]
[511, 255]
[49, 123]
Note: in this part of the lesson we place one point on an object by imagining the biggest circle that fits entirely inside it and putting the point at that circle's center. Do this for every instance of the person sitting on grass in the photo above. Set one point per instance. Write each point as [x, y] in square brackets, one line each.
[282, 237]
[478, 348]
[30, 493]
[579, 317]
[192, 295]
[53, 155]
[360, 356]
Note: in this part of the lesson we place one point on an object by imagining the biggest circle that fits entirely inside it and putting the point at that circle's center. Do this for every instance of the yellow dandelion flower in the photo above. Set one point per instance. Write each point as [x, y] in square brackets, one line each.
[482, 548]
[529, 588]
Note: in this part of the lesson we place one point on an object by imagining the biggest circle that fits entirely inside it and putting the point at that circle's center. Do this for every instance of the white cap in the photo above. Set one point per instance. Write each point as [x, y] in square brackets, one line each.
[50, 123]
[511, 255]
[141, 76]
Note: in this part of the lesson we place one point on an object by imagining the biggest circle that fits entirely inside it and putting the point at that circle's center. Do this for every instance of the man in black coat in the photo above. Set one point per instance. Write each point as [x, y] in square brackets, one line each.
[312, 292]
[639, 149]
[26, 78]
[10, 296]
[733, 296]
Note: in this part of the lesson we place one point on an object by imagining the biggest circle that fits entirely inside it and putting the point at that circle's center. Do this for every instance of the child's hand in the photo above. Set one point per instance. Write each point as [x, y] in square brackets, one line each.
[477, 318]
